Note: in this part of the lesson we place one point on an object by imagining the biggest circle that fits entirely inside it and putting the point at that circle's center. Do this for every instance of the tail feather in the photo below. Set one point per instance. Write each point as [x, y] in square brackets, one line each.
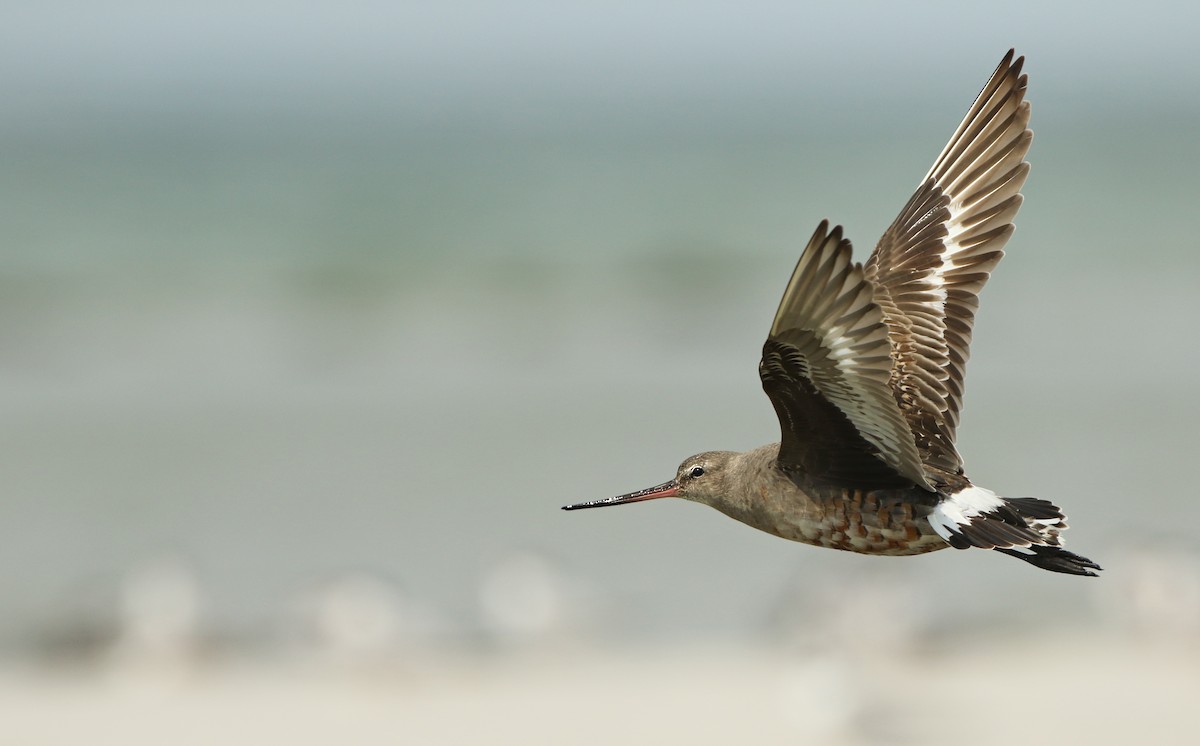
[1024, 527]
[1054, 559]
[1032, 507]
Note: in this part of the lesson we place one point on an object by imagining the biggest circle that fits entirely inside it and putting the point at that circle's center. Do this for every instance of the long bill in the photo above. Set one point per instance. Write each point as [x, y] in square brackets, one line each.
[666, 489]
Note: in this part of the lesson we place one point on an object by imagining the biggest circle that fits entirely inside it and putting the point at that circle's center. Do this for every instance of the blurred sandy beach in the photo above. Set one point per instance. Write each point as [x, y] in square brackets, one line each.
[862, 661]
[1071, 687]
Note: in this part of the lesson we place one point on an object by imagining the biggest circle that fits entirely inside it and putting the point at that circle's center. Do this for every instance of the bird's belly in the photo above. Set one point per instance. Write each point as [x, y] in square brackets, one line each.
[867, 522]
[854, 535]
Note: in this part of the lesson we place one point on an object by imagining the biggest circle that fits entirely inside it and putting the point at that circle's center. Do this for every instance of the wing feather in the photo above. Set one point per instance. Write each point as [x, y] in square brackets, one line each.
[826, 366]
[931, 264]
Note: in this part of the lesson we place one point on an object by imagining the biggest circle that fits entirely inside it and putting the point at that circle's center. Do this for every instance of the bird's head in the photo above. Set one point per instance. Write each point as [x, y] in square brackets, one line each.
[700, 478]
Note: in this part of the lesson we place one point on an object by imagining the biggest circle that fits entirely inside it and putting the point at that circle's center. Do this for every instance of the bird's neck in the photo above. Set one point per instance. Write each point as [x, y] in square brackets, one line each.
[748, 488]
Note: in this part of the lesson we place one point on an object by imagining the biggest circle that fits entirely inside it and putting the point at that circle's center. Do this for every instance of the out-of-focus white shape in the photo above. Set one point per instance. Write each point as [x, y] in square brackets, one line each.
[360, 619]
[522, 598]
[159, 614]
[357, 617]
[845, 615]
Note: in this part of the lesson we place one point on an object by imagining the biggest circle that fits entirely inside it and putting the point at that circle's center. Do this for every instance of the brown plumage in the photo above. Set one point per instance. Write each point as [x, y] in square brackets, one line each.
[864, 366]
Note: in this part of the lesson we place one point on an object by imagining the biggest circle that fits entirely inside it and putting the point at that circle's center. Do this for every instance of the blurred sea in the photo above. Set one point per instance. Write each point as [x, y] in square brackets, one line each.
[277, 353]
[331, 346]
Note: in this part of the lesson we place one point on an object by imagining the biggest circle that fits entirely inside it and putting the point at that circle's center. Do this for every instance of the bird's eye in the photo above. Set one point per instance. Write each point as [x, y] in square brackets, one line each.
[697, 471]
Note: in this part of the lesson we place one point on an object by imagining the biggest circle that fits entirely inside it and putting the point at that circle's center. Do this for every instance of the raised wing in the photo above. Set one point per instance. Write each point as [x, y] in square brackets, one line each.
[932, 262]
[825, 367]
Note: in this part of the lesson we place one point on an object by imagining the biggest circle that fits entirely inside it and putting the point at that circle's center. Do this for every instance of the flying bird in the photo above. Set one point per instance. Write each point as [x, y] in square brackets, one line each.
[864, 365]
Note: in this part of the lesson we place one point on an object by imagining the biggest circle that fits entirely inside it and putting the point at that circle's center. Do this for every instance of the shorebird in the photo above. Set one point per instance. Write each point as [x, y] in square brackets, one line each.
[864, 365]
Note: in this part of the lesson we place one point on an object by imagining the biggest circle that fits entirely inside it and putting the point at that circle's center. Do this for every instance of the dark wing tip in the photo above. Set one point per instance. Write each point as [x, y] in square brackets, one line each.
[823, 238]
[1011, 61]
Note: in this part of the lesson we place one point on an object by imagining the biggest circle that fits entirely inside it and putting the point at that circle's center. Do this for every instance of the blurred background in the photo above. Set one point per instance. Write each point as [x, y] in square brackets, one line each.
[312, 316]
